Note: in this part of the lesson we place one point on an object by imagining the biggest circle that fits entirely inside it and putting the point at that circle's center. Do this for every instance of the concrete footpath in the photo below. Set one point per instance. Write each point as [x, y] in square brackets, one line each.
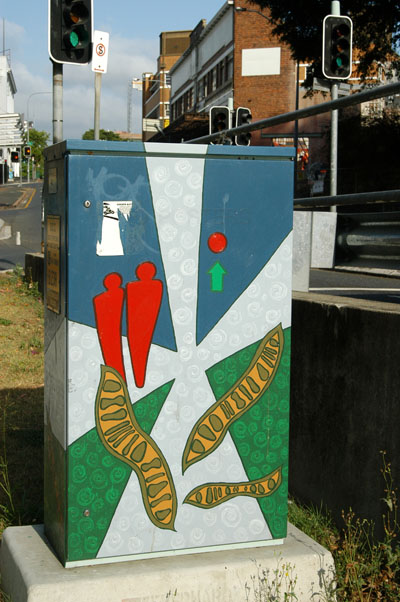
[30, 572]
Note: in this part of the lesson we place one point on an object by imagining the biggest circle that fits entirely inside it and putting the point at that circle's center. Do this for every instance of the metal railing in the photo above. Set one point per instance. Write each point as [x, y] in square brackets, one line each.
[324, 107]
[359, 198]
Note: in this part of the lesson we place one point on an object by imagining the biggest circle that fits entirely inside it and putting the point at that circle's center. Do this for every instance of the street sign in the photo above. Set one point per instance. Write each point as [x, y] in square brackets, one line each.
[100, 51]
[324, 85]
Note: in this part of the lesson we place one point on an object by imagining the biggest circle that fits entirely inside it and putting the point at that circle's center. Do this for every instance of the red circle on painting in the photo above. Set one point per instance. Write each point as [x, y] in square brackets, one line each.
[217, 242]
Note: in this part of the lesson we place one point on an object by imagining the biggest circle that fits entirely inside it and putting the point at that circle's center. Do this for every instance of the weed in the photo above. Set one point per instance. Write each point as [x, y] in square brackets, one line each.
[369, 570]
[5, 322]
[24, 282]
[276, 585]
[8, 515]
[366, 570]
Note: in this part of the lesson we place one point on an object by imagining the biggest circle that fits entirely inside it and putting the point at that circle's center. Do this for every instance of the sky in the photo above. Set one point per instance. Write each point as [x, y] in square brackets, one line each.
[134, 27]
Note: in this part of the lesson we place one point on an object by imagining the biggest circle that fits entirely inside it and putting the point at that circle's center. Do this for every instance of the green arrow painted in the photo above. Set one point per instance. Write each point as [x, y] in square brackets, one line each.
[217, 274]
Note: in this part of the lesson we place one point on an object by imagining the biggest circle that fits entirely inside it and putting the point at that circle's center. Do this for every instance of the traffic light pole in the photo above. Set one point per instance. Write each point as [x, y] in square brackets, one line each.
[335, 10]
[57, 102]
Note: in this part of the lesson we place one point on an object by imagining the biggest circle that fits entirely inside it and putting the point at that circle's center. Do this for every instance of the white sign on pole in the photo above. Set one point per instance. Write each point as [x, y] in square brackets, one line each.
[100, 51]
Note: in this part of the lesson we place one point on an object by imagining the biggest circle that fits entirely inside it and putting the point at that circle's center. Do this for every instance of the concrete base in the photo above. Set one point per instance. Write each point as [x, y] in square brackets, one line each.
[30, 572]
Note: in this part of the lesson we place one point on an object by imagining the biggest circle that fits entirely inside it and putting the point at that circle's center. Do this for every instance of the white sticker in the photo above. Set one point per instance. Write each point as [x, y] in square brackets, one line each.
[111, 244]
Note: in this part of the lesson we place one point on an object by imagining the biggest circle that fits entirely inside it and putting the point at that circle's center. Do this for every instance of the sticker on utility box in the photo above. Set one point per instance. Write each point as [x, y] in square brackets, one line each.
[111, 244]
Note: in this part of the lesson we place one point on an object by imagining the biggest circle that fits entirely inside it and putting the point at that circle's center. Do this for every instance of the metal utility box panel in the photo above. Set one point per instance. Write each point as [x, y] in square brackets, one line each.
[167, 351]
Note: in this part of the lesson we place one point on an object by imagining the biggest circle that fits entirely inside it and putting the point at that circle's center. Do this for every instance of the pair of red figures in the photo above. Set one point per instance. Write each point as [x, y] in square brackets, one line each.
[142, 299]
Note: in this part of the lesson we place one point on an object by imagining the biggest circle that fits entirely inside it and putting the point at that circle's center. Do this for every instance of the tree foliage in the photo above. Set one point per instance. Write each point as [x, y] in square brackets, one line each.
[375, 164]
[376, 29]
[39, 141]
[103, 135]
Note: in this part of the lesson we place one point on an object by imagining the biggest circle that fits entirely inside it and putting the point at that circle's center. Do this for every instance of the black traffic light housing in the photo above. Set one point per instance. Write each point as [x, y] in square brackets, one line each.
[220, 119]
[71, 31]
[243, 117]
[337, 34]
[27, 151]
[14, 157]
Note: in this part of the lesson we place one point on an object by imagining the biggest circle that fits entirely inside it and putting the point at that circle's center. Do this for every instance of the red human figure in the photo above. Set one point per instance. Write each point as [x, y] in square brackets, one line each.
[143, 301]
[108, 313]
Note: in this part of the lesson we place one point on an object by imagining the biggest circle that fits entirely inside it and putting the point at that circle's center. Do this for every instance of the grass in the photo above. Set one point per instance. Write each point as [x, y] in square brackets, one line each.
[21, 401]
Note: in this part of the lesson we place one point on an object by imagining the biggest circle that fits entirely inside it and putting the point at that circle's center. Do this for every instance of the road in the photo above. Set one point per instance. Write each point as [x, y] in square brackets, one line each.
[20, 223]
[356, 285]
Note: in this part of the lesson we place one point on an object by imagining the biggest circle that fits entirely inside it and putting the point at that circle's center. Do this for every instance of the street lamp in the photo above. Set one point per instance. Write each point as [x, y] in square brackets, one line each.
[28, 124]
[241, 9]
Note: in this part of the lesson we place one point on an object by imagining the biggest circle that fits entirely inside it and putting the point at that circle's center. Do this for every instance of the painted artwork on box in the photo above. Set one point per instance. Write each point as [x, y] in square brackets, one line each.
[178, 355]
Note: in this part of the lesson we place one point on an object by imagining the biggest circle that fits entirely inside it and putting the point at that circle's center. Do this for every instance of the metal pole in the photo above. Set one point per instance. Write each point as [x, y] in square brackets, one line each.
[97, 89]
[57, 102]
[296, 129]
[335, 10]
[334, 142]
[29, 159]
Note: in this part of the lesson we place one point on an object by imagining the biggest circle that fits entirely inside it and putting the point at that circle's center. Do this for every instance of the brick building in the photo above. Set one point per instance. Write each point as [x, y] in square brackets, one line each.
[234, 60]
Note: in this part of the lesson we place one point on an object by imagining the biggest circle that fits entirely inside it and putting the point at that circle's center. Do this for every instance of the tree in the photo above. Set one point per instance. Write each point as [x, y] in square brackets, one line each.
[103, 134]
[375, 164]
[376, 29]
[39, 140]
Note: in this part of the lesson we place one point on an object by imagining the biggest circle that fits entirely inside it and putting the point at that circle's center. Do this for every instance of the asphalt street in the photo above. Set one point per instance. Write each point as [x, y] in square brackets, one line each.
[355, 284]
[20, 223]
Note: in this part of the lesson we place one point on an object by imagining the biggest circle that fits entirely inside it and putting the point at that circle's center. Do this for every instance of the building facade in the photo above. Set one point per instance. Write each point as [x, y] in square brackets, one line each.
[156, 87]
[11, 123]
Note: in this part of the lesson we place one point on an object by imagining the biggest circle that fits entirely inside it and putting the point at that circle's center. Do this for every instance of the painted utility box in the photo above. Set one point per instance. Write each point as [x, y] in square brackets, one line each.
[167, 351]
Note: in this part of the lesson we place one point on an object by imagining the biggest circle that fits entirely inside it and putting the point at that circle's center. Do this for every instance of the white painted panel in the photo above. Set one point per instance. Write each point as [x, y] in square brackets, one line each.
[261, 61]
[182, 73]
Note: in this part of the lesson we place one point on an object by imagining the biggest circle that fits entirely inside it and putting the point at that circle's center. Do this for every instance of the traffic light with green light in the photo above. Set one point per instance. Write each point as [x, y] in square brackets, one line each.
[337, 36]
[71, 31]
[243, 117]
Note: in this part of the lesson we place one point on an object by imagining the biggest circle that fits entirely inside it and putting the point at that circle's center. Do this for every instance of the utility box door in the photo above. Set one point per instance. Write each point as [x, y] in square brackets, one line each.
[168, 314]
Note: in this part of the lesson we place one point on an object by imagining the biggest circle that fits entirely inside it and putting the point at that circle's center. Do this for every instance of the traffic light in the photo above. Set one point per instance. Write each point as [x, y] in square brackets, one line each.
[337, 36]
[243, 116]
[14, 157]
[71, 31]
[27, 151]
[220, 119]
